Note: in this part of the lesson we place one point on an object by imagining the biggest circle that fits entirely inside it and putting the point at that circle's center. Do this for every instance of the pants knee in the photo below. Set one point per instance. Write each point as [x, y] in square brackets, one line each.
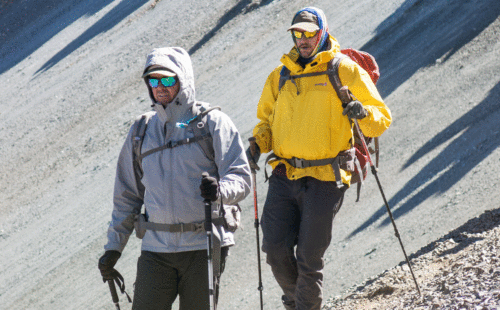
[277, 254]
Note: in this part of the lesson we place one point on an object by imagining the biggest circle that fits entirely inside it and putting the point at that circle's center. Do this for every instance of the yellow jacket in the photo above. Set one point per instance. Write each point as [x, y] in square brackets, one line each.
[305, 120]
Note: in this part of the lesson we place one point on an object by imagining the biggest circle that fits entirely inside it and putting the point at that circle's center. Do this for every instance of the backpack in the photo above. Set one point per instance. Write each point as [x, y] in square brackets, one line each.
[230, 213]
[368, 63]
[197, 124]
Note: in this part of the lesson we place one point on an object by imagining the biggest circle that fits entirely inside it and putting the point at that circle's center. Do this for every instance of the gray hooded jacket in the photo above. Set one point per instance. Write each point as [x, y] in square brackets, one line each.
[172, 177]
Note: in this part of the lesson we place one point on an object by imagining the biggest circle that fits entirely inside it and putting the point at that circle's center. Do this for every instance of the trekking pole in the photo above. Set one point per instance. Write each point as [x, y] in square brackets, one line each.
[114, 295]
[344, 92]
[256, 224]
[208, 229]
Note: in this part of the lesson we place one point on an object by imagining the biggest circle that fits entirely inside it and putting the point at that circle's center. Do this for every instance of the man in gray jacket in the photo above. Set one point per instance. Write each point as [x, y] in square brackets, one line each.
[169, 184]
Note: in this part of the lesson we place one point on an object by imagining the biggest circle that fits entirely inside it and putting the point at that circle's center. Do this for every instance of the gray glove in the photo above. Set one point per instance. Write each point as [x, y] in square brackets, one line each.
[355, 109]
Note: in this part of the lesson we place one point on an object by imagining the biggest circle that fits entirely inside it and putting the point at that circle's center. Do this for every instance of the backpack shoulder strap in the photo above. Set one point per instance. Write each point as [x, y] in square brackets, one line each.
[284, 76]
[333, 73]
[334, 77]
[200, 129]
[137, 139]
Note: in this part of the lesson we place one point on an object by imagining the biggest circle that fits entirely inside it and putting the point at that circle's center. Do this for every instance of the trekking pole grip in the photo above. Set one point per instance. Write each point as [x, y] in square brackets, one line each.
[114, 295]
[253, 150]
[253, 144]
[208, 208]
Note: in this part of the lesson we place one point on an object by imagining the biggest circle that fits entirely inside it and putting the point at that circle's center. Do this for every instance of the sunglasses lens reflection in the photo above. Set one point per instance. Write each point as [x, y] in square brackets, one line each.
[165, 81]
[153, 83]
[308, 34]
[168, 81]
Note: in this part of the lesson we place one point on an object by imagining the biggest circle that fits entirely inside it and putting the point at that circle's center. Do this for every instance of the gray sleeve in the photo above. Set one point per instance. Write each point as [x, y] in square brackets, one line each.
[127, 199]
[231, 160]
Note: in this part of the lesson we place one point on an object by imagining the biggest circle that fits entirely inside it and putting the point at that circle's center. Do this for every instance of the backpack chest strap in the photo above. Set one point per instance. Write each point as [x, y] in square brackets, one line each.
[172, 144]
[331, 72]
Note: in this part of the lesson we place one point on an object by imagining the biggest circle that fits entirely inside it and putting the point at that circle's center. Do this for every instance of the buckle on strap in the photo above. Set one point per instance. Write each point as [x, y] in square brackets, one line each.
[297, 162]
[172, 144]
[198, 227]
[194, 227]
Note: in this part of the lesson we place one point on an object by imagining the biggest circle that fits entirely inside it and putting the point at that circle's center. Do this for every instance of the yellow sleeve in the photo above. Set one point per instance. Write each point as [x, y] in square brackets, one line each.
[362, 87]
[265, 108]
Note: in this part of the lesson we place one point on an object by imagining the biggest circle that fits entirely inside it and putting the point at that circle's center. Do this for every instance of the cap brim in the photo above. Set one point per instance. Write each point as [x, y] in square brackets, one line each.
[310, 27]
[162, 71]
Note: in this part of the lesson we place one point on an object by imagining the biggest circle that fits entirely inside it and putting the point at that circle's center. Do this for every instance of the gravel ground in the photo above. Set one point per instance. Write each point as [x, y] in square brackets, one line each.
[458, 271]
[70, 88]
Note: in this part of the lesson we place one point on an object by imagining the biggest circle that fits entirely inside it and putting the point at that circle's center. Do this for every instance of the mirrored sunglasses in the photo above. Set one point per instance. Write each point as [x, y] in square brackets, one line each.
[167, 81]
[298, 34]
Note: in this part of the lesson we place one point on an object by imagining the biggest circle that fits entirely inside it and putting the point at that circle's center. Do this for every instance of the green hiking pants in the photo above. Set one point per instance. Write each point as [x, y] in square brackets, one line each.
[161, 277]
[297, 229]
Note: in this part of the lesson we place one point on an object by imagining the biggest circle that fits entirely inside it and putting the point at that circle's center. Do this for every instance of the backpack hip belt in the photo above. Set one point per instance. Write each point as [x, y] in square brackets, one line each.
[345, 160]
[141, 225]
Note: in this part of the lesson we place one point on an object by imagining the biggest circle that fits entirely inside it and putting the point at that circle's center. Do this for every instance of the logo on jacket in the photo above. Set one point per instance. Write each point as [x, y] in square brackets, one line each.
[320, 84]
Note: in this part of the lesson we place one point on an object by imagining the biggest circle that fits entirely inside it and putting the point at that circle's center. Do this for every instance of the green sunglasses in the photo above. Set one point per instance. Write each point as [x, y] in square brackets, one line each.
[167, 81]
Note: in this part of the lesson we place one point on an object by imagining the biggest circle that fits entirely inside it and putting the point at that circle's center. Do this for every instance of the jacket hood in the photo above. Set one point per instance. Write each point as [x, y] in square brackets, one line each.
[177, 60]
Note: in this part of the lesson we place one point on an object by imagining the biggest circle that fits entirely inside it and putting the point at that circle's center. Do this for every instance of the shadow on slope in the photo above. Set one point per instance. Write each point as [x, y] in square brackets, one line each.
[242, 7]
[487, 221]
[476, 135]
[422, 31]
[108, 21]
[27, 25]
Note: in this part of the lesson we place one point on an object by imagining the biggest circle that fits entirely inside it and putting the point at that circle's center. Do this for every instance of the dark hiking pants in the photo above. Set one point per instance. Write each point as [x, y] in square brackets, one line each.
[161, 277]
[299, 213]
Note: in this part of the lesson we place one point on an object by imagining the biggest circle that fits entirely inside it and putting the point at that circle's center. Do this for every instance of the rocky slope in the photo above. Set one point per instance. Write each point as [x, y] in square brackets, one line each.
[458, 271]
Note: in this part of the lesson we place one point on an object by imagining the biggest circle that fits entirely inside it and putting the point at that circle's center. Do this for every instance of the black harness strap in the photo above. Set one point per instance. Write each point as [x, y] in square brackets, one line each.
[172, 144]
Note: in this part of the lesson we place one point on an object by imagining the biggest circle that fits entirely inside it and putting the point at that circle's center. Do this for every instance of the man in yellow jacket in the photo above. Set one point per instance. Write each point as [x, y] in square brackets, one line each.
[304, 124]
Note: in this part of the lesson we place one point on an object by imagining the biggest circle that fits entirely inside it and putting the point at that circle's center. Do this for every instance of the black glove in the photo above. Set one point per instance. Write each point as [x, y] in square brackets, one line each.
[106, 264]
[355, 109]
[253, 157]
[209, 188]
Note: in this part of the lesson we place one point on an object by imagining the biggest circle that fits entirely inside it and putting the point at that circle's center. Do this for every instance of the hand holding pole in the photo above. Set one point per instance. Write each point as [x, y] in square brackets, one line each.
[345, 95]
